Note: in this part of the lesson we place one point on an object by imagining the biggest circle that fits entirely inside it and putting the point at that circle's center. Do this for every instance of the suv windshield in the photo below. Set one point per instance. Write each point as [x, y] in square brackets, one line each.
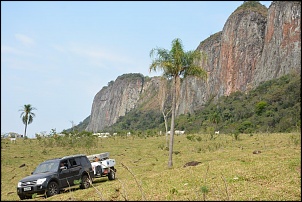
[50, 166]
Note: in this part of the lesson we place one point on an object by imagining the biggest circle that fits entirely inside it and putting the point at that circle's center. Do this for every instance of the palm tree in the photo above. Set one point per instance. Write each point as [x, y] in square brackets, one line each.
[176, 64]
[27, 115]
[215, 118]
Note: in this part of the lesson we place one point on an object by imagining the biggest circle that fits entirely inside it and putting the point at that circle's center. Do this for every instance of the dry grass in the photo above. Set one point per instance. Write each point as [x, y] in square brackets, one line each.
[228, 170]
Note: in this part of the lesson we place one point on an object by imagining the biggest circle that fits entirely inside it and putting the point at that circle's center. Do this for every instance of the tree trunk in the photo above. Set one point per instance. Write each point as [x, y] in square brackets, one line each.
[162, 99]
[166, 126]
[25, 130]
[170, 163]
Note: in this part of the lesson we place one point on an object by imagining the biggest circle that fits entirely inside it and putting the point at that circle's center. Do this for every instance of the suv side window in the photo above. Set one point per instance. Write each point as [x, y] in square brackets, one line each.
[84, 161]
[73, 162]
[64, 164]
[78, 161]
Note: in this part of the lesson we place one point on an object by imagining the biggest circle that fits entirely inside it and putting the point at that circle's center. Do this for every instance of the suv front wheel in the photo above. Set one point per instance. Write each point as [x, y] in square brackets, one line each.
[22, 197]
[52, 189]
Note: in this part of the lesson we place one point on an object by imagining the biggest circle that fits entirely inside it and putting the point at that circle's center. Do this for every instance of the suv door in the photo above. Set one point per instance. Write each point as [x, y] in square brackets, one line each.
[75, 168]
[65, 175]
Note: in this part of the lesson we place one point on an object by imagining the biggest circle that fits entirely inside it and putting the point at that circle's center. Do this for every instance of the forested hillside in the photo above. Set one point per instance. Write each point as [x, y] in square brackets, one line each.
[274, 106]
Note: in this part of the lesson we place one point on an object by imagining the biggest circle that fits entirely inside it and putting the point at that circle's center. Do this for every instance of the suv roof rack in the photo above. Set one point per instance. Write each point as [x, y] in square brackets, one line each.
[76, 155]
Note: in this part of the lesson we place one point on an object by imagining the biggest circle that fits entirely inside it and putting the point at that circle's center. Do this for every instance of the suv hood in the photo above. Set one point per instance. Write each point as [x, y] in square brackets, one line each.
[37, 176]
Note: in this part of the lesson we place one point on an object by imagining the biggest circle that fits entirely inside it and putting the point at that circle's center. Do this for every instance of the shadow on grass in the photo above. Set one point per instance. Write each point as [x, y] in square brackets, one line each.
[96, 181]
[99, 180]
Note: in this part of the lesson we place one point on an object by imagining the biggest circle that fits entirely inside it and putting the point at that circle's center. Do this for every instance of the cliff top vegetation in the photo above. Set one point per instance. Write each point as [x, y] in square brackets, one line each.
[254, 6]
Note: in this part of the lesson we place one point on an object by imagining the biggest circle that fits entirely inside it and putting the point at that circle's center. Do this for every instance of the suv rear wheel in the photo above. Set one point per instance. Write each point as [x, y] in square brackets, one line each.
[52, 189]
[85, 182]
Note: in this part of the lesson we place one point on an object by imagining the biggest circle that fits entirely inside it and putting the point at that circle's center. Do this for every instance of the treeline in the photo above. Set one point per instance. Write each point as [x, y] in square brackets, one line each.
[274, 106]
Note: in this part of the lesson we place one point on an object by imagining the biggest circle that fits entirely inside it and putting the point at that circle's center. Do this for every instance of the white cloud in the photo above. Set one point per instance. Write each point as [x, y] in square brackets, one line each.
[96, 56]
[58, 48]
[99, 54]
[57, 81]
[25, 40]
[15, 51]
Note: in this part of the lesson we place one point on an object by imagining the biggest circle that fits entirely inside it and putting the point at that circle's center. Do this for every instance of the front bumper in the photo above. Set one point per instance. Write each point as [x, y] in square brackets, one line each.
[29, 190]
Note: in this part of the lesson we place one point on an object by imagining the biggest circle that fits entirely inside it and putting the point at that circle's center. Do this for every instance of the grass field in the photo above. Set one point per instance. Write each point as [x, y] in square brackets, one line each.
[228, 170]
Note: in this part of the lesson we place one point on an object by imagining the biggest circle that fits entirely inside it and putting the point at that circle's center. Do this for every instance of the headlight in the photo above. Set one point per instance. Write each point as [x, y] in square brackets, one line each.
[40, 181]
[19, 184]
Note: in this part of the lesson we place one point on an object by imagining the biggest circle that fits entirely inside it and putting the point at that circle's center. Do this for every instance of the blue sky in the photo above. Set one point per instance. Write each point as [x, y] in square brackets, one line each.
[57, 55]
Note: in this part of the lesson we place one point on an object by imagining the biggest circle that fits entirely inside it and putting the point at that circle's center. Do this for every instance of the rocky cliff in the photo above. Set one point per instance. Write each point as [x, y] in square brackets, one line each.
[115, 100]
[256, 44]
[282, 42]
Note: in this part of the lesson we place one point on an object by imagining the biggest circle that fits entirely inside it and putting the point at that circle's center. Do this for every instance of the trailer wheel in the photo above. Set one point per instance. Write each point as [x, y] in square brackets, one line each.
[111, 174]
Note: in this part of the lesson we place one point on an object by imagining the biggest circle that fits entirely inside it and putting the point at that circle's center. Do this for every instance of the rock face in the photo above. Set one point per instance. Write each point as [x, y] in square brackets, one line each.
[115, 100]
[256, 44]
[282, 42]
[125, 93]
[241, 47]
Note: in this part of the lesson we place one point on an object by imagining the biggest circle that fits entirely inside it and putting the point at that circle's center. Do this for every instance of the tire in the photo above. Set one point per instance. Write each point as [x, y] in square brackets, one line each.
[22, 197]
[111, 174]
[52, 189]
[85, 184]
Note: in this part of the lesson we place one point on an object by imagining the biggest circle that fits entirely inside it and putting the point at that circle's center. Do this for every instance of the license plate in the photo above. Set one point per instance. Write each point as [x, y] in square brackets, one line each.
[27, 188]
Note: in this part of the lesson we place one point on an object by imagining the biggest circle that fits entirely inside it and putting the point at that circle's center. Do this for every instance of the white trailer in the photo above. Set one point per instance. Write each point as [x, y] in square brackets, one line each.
[102, 165]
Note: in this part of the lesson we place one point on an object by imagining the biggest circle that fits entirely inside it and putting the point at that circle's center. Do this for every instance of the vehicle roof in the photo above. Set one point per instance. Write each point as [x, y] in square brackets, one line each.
[65, 157]
[51, 160]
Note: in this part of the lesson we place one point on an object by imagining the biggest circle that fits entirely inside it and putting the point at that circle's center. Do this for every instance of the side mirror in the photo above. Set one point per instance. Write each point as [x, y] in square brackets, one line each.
[63, 168]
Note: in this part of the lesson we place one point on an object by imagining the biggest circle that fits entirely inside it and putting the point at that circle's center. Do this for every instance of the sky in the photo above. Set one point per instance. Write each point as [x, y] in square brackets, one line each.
[57, 55]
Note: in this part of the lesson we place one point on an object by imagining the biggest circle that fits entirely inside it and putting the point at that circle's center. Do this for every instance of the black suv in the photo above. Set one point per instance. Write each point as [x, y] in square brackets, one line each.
[52, 176]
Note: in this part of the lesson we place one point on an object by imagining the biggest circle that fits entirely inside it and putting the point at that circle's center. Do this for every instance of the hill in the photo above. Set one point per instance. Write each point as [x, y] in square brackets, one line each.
[274, 106]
